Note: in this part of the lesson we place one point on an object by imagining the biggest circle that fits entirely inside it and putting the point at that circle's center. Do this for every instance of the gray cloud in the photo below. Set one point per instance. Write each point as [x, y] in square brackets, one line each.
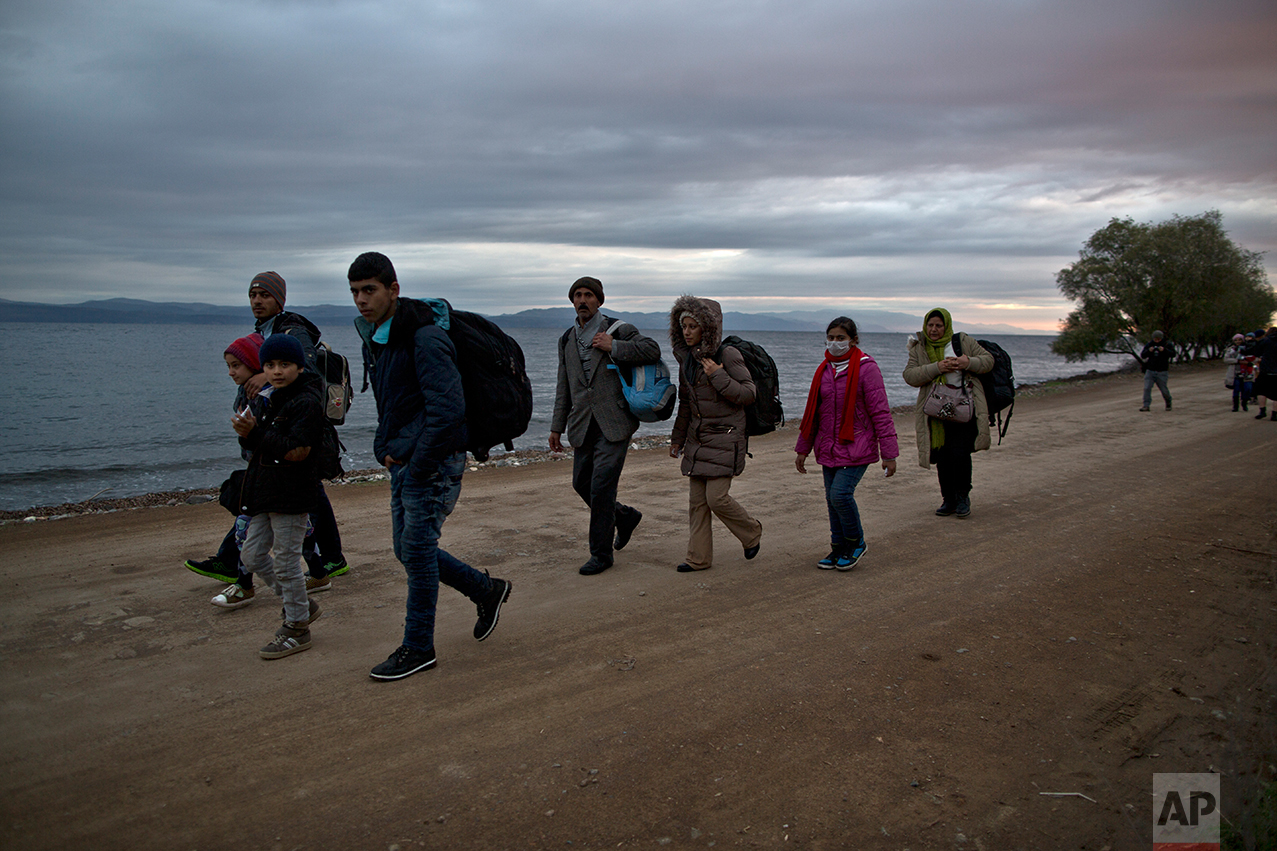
[163, 150]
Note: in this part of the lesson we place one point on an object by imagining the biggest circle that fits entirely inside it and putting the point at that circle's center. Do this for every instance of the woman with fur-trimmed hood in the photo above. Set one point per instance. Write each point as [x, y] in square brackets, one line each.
[714, 387]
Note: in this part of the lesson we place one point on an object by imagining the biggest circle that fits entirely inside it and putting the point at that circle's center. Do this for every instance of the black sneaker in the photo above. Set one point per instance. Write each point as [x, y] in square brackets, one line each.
[336, 568]
[594, 566]
[964, 509]
[213, 568]
[490, 609]
[625, 525]
[404, 662]
[946, 509]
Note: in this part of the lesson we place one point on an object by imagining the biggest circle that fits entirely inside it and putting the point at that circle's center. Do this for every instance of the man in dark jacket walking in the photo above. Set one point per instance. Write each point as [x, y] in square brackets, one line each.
[267, 293]
[1156, 360]
[590, 406]
[420, 438]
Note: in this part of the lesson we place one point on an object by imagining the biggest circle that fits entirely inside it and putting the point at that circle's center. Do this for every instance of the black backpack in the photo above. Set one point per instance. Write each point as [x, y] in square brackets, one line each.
[999, 385]
[764, 414]
[495, 379]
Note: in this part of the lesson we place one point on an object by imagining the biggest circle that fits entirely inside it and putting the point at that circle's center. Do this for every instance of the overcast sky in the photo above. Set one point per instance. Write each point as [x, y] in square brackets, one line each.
[844, 154]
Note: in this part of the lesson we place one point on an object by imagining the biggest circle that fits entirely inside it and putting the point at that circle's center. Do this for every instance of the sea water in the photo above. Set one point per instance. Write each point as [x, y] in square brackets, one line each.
[122, 410]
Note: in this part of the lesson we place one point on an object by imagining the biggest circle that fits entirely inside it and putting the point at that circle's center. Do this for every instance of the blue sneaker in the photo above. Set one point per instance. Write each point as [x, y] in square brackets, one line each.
[847, 560]
[828, 562]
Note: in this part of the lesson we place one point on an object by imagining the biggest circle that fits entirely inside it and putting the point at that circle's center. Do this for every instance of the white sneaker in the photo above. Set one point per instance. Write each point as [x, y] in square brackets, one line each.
[233, 597]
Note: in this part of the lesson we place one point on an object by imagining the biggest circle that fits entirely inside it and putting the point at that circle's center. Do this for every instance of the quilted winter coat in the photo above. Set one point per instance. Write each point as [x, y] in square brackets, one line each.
[710, 424]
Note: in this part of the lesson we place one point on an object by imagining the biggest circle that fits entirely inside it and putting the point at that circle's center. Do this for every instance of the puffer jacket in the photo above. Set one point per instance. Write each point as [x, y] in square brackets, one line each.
[294, 417]
[920, 372]
[421, 404]
[874, 431]
[710, 425]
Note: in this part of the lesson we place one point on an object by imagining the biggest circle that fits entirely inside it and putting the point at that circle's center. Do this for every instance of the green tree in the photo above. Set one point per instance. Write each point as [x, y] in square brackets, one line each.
[1183, 276]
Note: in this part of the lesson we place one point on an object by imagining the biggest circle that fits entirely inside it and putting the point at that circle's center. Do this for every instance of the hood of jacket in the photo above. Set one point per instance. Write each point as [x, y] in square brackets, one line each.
[708, 315]
[410, 314]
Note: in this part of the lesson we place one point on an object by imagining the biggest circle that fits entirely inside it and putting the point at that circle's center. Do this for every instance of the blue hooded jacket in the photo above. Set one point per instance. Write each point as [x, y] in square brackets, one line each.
[421, 404]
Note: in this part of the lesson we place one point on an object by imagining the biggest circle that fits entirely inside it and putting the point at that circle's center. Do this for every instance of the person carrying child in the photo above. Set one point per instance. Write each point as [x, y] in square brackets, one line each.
[242, 364]
[281, 486]
[847, 422]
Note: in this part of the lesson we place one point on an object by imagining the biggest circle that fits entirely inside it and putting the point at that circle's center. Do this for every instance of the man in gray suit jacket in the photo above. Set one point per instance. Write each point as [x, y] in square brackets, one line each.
[590, 406]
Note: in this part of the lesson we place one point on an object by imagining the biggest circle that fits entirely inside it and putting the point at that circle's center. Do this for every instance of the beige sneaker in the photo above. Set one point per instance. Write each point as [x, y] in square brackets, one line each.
[314, 584]
[233, 597]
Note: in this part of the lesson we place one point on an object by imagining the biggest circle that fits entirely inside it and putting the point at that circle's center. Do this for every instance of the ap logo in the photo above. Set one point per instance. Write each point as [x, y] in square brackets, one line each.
[1185, 811]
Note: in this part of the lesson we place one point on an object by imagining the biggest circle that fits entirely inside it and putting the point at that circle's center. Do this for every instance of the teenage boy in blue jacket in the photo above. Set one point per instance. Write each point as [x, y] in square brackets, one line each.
[421, 434]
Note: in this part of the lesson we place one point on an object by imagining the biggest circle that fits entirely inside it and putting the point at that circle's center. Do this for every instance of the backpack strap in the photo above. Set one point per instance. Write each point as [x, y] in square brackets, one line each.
[957, 344]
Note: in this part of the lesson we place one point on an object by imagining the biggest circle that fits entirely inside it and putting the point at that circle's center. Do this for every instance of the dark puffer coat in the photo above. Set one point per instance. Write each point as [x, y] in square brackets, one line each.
[710, 426]
[421, 403]
[294, 417]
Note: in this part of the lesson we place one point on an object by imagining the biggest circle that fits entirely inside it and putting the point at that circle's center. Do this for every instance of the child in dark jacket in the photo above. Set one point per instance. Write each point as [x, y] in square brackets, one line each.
[281, 486]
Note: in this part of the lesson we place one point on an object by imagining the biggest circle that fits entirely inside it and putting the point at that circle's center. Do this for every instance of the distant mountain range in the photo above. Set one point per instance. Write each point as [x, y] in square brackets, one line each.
[138, 311]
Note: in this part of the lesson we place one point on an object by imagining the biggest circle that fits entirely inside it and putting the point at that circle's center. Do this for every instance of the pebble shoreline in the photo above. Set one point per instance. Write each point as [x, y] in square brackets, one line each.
[517, 458]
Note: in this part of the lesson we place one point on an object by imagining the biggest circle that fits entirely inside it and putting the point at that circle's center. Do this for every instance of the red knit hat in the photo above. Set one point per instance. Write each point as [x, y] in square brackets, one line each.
[245, 350]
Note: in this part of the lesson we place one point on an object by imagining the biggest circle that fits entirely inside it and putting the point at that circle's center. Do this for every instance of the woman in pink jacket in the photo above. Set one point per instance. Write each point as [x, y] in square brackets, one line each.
[848, 422]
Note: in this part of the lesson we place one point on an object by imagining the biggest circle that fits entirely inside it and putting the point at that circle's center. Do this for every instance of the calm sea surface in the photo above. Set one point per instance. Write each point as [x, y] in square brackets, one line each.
[121, 410]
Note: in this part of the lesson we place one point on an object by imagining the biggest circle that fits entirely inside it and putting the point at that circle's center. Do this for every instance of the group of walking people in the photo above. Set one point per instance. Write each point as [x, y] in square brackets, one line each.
[1251, 373]
[412, 368]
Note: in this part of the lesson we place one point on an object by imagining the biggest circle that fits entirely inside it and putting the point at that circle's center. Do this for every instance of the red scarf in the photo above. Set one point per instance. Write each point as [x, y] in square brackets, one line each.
[847, 429]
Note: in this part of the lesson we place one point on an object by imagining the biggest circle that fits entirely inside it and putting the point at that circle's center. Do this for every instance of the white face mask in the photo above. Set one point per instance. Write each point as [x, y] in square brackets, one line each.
[837, 348]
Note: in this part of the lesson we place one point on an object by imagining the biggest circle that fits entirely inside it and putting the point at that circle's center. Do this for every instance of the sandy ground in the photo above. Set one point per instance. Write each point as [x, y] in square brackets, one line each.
[1107, 612]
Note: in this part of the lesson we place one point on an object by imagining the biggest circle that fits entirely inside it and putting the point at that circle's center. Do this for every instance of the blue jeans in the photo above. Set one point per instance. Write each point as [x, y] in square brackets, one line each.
[418, 507]
[1160, 379]
[845, 531]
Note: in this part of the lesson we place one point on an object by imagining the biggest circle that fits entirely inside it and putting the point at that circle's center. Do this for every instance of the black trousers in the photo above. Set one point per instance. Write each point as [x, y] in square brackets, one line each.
[596, 473]
[953, 461]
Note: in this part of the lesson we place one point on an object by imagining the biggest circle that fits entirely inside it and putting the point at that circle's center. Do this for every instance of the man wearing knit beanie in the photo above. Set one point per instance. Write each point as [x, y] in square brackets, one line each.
[273, 286]
[267, 293]
[266, 296]
[589, 406]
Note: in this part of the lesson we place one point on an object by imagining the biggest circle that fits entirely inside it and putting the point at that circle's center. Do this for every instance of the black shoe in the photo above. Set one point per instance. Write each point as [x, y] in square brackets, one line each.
[1263, 412]
[829, 561]
[594, 566]
[964, 509]
[685, 568]
[490, 609]
[404, 662]
[315, 612]
[625, 528]
[336, 568]
[213, 568]
[750, 552]
[946, 509]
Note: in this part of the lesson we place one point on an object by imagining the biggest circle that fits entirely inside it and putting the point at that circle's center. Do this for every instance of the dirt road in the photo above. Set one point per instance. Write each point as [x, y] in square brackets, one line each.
[1107, 612]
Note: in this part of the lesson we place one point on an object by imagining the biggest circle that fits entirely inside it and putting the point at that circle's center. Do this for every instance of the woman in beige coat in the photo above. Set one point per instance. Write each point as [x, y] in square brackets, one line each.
[714, 387]
[933, 357]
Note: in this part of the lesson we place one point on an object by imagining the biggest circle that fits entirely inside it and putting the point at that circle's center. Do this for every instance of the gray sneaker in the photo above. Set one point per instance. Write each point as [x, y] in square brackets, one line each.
[289, 639]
